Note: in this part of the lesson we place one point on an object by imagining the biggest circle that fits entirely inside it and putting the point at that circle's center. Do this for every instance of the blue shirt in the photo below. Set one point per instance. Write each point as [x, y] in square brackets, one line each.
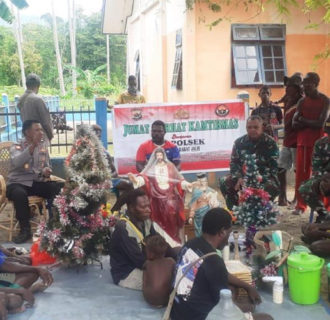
[2, 258]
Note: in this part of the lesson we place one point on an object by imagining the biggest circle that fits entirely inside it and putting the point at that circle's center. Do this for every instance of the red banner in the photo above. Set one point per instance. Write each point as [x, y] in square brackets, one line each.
[203, 132]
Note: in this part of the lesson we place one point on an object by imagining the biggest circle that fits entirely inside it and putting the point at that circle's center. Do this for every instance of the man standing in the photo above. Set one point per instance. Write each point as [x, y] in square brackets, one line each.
[266, 151]
[132, 95]
[317, 187]
[309, 120]
[198, 292]
[29, 169]
[157, 140]
[33, 107]
[267, 110]
[127, 255]
[287, 159]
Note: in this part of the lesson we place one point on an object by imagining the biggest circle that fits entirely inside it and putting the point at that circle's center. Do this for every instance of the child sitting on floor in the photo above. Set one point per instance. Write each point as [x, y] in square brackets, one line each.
[18, 283]
[157, 272]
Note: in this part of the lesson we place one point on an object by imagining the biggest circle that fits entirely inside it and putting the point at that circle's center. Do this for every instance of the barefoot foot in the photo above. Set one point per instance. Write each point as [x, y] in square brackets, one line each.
[38, 287]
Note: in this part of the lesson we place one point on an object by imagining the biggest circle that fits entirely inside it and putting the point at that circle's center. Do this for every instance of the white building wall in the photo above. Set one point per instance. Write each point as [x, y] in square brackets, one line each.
[150, 32]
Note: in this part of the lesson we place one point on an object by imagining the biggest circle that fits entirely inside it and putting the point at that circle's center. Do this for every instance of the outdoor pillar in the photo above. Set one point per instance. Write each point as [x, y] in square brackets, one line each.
[101, 119]
[5, 101]
[18, 119]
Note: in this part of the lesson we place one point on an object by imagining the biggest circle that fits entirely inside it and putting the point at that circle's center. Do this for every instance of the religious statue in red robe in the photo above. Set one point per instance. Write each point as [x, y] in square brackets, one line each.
[165, 187]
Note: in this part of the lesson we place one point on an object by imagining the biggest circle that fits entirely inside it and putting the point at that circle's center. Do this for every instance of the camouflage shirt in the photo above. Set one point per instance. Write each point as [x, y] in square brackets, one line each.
[266, 151]
[321, 157]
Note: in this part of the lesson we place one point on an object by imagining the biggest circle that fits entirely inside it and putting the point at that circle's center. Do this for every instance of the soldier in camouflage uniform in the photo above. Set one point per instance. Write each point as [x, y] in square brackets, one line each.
[266, 151]
[318, 186]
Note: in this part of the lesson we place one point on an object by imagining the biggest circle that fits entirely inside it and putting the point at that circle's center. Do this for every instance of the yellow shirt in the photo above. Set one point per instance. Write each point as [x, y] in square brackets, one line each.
[128, 98]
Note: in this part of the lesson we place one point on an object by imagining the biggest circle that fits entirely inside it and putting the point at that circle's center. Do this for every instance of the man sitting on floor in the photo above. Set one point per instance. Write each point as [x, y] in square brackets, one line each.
[316, 190]
[266, 151]
[317, 235]
[198, 292]
[29, 172]
[127, 254]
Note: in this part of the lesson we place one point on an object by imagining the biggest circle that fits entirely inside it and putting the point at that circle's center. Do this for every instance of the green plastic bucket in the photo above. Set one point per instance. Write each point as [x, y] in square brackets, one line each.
[304, 277]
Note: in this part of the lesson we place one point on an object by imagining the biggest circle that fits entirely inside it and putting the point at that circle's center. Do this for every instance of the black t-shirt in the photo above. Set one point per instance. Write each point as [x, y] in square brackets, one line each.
[199, 291]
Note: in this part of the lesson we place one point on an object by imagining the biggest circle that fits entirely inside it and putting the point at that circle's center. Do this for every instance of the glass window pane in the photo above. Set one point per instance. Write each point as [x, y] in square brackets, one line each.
[266, 51]
[277, 51]
[246, 33]
[250, 51]
[269, 76]
[242, 77]
[279, 76]
[252, 64]
[253, 76]
[241, 64]
[178, 38]
[272, 32]
[268, 63]
[279, 63]
[239, 51]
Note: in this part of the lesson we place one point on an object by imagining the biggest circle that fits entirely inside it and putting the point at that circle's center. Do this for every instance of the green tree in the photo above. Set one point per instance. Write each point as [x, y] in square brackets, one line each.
[118, 59]
[91, 47]
[39, 54]
[41, 38]
[91, 43]
[9, 63]
[7, 51]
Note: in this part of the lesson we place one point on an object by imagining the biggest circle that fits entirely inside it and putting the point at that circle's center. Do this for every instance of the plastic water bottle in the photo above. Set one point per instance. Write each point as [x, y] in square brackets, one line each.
[226, 253]
[277, 288]
[228, 310]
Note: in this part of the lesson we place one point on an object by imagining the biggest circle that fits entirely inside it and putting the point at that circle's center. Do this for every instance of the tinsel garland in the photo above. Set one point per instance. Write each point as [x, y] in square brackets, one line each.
[255, 208]
[79, 229]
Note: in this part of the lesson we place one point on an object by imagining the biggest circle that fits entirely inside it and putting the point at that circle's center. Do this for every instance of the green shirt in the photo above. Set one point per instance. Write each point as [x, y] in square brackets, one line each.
[266, 151]
[321, 157]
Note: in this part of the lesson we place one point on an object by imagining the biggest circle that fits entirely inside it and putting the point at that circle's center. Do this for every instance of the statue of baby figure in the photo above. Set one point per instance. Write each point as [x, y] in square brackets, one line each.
[202, 200]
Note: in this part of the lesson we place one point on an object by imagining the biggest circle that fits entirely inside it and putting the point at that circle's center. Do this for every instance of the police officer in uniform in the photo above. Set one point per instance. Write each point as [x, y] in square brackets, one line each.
[28, 175]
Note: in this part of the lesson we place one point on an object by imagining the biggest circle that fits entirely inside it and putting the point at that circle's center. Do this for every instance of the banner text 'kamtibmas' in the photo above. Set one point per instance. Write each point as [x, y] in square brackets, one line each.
[187, 126]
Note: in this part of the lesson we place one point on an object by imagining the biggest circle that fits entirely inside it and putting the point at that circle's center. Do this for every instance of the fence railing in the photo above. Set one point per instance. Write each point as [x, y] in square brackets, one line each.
[66, 116]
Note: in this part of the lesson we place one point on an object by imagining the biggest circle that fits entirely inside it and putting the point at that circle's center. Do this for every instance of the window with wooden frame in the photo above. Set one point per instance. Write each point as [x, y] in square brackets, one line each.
[258, 53]
[177, 72]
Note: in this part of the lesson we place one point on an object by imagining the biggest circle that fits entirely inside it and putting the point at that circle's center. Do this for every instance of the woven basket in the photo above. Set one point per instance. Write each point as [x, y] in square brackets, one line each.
[240, 271]
[287, 242]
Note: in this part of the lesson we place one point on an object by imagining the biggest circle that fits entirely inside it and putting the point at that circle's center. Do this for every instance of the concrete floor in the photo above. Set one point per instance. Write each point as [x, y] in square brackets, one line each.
[89, 294]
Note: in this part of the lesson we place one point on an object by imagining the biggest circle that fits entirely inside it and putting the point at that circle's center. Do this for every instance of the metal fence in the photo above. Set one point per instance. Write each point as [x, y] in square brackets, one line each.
[66, 116]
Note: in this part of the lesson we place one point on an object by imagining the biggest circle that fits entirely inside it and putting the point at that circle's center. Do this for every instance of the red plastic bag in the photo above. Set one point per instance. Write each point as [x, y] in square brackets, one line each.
[40, 257]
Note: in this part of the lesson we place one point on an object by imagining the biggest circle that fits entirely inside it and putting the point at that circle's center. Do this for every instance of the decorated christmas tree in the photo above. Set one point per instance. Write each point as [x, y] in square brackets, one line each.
[255, 208]
[78, 230]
